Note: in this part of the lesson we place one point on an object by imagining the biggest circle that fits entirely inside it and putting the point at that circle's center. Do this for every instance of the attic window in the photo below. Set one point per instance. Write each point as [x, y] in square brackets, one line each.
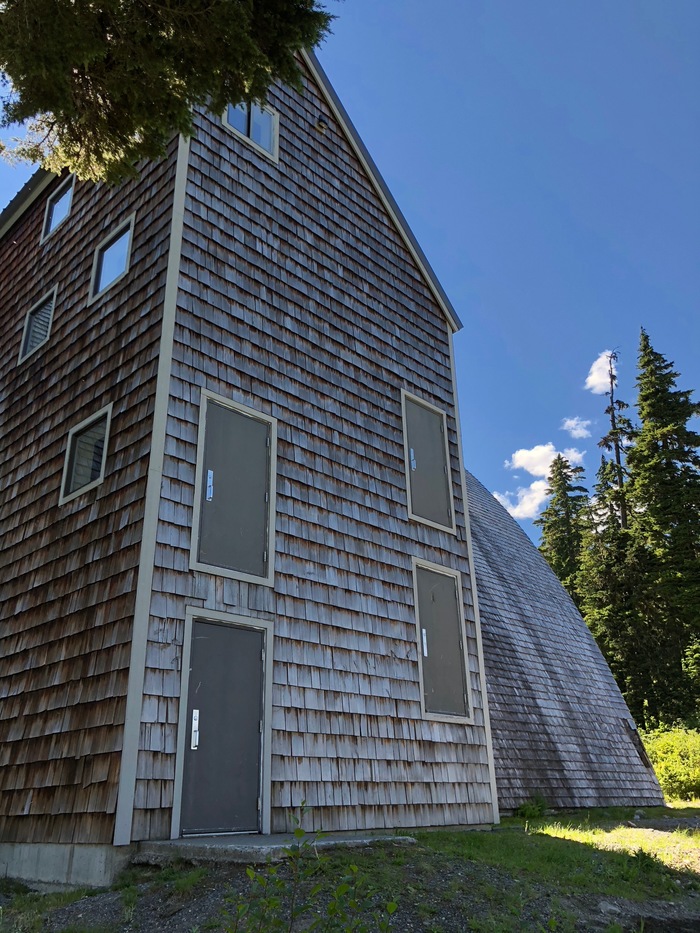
[86, 454]
[112, 258]
[37, 325]
[256, 124]
[58, 207]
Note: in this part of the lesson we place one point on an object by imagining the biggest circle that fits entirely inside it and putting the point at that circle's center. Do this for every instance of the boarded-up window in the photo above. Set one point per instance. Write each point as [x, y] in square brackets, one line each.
[440, 643]
[37, 325]
[86, 455]
[235, 491]
[429, 486]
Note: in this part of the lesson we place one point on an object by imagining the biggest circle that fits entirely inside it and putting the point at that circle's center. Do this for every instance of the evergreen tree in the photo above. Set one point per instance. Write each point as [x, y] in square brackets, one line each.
[611, 575]
[616, 441]
[104, 84]
[560, 522]
[664, 500]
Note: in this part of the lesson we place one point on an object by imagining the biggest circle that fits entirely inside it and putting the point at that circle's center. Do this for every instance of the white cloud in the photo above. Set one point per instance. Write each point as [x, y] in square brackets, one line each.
[527, 501]
[576, 426]
[538, 459]
[598, 379]
[574, 456]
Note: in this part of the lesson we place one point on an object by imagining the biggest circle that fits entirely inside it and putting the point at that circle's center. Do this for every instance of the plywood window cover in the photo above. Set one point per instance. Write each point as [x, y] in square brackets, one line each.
[53, 198]
[102, 246]
[442, 717]
[195, 564]
[192, 614]
[49, 296]
[452, 529]
[274, 155]
[76, 430]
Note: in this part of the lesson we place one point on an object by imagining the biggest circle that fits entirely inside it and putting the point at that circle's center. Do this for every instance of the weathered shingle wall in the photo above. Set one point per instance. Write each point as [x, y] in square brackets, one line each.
[298, 299]
[68, 573]
[556, 712]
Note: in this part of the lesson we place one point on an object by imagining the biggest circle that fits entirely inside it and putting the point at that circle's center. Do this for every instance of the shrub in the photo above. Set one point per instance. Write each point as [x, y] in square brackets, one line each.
[675, 754]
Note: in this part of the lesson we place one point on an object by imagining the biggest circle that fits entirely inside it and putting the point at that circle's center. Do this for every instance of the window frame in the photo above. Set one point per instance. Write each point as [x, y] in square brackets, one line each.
[77, 429]
[55, 196]
[407, 396]
[103, 245]
[274, 155]
[195, 564]
[456, 574]
[52, 293]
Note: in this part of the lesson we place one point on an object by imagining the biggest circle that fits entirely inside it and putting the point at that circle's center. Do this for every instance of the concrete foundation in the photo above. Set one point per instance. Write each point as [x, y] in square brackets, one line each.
[249, 849]
[77, 865]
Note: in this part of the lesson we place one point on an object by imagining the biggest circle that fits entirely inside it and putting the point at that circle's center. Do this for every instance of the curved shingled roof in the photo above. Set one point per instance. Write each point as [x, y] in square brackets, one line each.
[560, 727]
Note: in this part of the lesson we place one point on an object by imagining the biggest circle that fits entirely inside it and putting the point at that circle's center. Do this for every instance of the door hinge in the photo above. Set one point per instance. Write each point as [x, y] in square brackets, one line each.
[259, 804]
[260, 724]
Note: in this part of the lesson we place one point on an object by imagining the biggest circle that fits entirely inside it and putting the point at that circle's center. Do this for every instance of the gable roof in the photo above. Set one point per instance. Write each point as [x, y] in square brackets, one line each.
[381, 189]
[28, 193]
[36, 184]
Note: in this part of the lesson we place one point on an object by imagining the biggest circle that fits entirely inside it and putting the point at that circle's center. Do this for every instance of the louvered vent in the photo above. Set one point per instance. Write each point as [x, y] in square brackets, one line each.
[38, 324]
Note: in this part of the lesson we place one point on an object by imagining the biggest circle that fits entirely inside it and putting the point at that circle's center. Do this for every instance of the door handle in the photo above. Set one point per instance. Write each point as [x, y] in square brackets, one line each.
[195, 729]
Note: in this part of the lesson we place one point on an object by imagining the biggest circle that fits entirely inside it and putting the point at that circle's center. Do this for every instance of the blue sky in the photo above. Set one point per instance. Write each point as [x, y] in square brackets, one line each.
[547, 156]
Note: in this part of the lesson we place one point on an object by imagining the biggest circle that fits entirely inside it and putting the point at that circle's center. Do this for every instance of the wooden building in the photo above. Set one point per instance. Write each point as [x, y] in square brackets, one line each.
[235, 566]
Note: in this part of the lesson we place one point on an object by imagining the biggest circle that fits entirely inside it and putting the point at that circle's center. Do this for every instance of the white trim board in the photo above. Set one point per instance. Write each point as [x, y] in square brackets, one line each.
[144, 585]
[475, 598]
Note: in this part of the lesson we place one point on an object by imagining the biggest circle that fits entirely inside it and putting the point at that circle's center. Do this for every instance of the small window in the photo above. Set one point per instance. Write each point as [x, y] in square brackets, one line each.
[58, 207]
[256, 124]
[441, 642]
[427, 464]
[86, 455]
[112, 259]
[37, 325]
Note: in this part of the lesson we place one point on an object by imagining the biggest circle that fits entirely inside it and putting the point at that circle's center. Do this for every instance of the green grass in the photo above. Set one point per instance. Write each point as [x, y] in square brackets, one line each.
[593, 852]
[518, 870]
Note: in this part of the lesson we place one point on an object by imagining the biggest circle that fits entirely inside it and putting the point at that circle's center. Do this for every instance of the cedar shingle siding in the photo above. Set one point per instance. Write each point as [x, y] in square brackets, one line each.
[68, 572]
[298, 297]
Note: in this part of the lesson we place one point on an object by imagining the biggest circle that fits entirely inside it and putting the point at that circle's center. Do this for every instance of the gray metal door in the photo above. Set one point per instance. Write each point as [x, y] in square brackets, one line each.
[442, 654]
[221, 779]
[235, 501]
[428, 469]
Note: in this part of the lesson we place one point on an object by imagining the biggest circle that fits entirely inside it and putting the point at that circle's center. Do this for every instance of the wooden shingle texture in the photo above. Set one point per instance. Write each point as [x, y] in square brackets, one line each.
[69, 572]
[557, 715]
[298, 298]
